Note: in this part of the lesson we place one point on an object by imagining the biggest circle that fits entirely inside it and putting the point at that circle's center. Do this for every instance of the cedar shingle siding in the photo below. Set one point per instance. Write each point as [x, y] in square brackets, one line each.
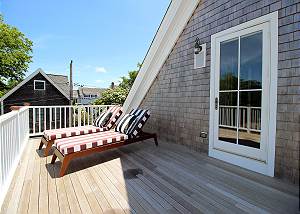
[26, 93]
[179, 97]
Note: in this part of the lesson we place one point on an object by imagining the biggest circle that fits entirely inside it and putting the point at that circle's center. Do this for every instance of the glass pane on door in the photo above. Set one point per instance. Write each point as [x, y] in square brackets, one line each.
[228, 117]
[250, 90]
[241, 90]
[250, 118]
[251, 62]
[228, 91]
[229, 65]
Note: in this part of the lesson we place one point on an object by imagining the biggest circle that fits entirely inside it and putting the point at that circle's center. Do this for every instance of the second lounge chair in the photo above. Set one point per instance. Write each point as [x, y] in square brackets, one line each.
[49, 136]
[128, 130]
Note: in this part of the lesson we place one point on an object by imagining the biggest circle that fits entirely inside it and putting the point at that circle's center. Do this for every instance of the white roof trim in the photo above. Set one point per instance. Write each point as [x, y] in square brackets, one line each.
[174, 22]
[29, 78]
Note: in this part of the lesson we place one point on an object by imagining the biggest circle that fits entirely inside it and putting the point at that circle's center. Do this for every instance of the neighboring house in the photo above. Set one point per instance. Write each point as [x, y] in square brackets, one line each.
[223, 78]
[86, 96]
[38, 89]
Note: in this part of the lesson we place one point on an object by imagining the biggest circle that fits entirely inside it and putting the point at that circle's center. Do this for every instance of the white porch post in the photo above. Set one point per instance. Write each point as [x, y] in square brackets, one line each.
[2, 107]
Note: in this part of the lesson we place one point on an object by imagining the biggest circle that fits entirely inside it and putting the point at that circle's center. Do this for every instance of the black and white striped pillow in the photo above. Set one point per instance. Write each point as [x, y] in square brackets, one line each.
[102, 119]
[137, 125]
[125, 123]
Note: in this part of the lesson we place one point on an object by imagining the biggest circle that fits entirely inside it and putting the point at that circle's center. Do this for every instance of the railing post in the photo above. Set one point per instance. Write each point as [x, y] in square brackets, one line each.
[79, 116]
[33, 120]
[2, 107]
[248, 118]
[19, 128]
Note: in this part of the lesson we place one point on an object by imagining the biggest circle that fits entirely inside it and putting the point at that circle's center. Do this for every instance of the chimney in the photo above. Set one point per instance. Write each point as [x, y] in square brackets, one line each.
[71, 83]
[112, 86]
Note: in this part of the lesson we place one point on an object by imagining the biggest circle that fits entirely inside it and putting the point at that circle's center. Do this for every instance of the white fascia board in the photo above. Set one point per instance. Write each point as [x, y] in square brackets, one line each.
[29, 78]
[174, 22]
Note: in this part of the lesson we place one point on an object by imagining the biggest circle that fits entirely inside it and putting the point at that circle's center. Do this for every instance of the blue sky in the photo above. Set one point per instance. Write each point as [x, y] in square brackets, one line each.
[105, 39]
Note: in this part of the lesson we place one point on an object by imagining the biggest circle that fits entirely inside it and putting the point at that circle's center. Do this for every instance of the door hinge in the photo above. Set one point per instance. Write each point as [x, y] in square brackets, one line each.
[216, 103]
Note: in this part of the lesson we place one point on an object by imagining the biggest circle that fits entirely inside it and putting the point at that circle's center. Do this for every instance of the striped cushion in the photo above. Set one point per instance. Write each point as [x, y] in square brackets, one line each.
[137, 125]
[109, 117]
[96, 122]
[116, 113]
[72, 131]
[124, 123]
[80, 143]
[103, 119]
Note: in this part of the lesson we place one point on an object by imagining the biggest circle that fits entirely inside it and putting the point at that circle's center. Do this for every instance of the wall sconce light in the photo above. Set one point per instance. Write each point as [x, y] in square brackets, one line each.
[198, 47]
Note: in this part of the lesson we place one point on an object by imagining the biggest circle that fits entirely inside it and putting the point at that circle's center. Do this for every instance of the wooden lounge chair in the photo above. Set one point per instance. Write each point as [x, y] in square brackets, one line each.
[49, 136]
[80, 146]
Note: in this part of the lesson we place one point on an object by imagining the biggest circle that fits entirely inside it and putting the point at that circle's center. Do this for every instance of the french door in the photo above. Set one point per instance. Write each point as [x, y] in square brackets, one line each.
[243, 94]
[241, 101]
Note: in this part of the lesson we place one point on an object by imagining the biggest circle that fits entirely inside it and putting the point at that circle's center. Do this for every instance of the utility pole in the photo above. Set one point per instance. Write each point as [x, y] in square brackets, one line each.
[71, 83]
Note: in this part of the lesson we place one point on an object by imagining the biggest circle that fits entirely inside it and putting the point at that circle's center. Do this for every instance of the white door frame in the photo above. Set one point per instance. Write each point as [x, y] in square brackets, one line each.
[267, 166]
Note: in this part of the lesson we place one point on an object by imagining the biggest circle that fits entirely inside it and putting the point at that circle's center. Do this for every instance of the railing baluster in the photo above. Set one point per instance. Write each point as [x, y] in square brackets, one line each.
[79, 116]
[65, 117]
[92, 114]
[74, 115]
[70, 116]
[55, 115]
[50, 109]
[88, 115]
[45, 118]
[60, 117]
[39, 114]
[33, 120]
[84, 111]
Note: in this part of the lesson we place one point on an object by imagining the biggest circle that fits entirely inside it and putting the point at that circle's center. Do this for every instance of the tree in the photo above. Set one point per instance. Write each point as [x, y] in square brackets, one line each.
[127, 82]
[118, 94]
[112, 96]
[15, 56]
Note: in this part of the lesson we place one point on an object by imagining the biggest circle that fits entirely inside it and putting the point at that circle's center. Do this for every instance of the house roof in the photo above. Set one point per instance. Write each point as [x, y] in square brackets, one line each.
[58, 81]
[171, 27]
[90, 91]
[61, 81]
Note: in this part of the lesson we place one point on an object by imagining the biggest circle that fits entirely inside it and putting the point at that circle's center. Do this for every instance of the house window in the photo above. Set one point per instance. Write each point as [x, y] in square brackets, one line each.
[39, 85]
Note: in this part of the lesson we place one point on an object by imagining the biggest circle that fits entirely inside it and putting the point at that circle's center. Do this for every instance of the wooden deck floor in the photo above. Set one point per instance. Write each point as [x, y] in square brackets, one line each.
[142, 178]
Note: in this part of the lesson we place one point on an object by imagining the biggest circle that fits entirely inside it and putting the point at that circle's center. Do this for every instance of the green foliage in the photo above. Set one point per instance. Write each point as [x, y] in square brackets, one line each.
[112, 96]
[15, 56]
[127, 82]
[118, 94]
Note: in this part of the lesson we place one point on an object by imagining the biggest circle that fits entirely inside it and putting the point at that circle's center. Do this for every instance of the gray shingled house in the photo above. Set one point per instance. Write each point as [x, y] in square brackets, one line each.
[38, 89]
[86, 95]
[223, 78]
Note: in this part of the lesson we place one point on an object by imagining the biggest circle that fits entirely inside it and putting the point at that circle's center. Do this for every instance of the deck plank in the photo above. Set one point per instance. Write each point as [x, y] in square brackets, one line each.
[52, 189]
[63, 202]
[43, 195]
[25, 195]
[235, 185]
[71, 196]
[105, 206]
[169, 179]
[92, 200]
[119, 180]
[13, 203]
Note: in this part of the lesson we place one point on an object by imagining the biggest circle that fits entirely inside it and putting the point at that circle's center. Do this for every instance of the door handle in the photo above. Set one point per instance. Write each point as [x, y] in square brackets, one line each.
[216, 103]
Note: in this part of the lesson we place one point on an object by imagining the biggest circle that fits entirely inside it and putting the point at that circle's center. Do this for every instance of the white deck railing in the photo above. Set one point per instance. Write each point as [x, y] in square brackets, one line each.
[249, 118]
[53, 117]
[14, 134]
